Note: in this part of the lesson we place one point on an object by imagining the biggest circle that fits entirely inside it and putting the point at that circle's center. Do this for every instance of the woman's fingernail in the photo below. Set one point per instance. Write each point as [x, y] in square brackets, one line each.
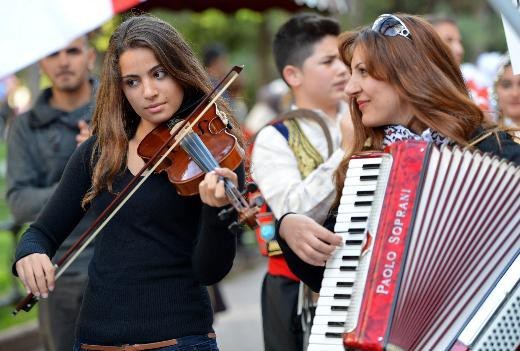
[51, 288]
[45, 296]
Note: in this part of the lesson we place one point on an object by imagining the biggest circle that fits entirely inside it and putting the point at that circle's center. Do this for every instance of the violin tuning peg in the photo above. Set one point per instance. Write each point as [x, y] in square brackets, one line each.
[224, 214]
[235, 228]
[259, 201]
[251, 187]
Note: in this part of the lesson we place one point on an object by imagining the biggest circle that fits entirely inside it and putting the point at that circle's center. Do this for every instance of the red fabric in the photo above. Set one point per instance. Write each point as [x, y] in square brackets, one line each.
[123, 5]
[479, 95]
[277, 266]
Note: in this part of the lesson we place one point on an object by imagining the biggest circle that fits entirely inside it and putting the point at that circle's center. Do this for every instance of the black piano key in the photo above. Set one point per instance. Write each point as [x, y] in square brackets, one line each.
[347, 269]
[362, 203]
[345, 284]
[356, 230]
[339, 308]
[353, 242]
[350, 258]
[368, 177]
[372, 166]
[342, 296]
[358, 219]
[333, 335]
[336, 324]
[365, 193]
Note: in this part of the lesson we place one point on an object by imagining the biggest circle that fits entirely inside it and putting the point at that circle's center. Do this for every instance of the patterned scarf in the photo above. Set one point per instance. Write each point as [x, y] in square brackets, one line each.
[397, 132]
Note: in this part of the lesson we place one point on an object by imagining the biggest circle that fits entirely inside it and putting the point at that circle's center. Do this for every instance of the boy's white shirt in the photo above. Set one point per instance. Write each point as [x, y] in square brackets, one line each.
[275, 170]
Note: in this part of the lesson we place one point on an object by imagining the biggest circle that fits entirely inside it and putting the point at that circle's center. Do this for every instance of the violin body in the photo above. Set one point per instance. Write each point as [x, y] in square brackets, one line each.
[183, 172]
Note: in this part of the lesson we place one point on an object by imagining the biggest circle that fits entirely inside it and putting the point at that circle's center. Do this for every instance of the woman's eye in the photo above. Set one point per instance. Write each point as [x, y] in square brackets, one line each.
[506, 84]
[160, 74]
[131, 82]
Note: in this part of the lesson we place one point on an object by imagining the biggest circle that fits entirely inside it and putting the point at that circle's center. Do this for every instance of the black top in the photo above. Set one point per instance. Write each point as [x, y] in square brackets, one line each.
[312, 275]
[151, 261]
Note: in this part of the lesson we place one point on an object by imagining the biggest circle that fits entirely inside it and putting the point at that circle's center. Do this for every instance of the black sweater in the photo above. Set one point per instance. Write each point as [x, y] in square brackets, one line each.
[312, 275]
[151, 262]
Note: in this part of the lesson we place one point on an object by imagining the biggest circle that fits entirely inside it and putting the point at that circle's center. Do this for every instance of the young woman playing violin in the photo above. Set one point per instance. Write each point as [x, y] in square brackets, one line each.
[151, 264]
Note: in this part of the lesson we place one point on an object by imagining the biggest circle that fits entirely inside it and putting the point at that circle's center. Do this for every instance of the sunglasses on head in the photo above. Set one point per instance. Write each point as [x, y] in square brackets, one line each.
[390, 26]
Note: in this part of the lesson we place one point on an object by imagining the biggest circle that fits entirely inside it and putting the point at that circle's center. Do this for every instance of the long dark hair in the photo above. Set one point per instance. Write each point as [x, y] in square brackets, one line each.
[425, 75]
[114, 121]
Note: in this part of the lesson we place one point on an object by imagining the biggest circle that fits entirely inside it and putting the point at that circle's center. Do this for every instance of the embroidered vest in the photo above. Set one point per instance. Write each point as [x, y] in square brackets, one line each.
[307, 158]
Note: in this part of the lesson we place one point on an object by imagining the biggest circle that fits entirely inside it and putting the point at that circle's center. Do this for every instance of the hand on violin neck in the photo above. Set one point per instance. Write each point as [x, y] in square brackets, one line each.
[212, 190]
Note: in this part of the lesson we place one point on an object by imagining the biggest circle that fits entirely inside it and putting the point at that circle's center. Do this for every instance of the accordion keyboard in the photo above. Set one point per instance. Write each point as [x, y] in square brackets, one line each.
[359, 209]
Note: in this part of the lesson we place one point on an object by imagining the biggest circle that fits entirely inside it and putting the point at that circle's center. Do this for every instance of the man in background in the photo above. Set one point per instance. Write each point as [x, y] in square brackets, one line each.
[39, 144]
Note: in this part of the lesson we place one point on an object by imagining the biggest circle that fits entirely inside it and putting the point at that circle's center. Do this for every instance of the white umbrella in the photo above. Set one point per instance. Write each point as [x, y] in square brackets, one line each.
[32, 29]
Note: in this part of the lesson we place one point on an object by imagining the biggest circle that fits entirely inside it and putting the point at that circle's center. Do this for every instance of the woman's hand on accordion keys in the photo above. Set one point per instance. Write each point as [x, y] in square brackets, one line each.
[310, 241]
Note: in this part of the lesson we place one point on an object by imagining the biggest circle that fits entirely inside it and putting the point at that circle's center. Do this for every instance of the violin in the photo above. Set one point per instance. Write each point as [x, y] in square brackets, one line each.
[185, 149]
[205, 145]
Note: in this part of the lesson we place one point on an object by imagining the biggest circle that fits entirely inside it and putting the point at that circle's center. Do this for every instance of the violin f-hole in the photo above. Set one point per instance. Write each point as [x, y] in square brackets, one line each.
[213, 126]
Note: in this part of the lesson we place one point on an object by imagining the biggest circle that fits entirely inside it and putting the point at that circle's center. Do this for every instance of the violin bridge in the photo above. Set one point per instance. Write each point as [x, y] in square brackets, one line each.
[223, 117]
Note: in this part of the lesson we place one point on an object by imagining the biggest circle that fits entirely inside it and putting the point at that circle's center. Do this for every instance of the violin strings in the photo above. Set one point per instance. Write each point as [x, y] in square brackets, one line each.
[205, 160]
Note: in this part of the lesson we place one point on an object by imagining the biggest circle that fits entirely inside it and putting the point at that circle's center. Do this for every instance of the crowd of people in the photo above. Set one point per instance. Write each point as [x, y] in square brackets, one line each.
[144, 281]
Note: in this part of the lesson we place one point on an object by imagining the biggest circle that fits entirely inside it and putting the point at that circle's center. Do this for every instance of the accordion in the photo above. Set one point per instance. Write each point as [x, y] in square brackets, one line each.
[430, 259]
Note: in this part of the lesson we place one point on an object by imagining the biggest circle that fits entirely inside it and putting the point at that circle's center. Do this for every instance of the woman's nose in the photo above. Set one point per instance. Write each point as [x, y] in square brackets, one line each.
[352, 87]
[149, 89]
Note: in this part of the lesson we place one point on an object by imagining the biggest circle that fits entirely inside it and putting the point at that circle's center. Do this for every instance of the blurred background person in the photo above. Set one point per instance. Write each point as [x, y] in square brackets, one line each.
[14, 99]
[448, 29]
[39, 145]
[294, 160]
[215, 58]
[505, 95]
[272, 100]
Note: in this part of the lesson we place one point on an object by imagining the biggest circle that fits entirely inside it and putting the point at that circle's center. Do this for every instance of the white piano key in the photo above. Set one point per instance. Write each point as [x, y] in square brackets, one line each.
[360, 162]
[352, 199]
[321, 339]
[347, 217]
[346, 251]
[322, 329]
[352, 236]
[321, 347]
[331, 290]
[326, 319]
[336, 282]
[352, 190]
[358, 172]
[353, 210]
[338, 263]
[343, 227]
[327, 311]
[357, 182]
[333, 301]
[326, 347]
[335, 273]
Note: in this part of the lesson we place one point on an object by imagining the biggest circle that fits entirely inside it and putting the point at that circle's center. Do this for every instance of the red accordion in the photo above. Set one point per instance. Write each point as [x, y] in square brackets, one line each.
[428, 235]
